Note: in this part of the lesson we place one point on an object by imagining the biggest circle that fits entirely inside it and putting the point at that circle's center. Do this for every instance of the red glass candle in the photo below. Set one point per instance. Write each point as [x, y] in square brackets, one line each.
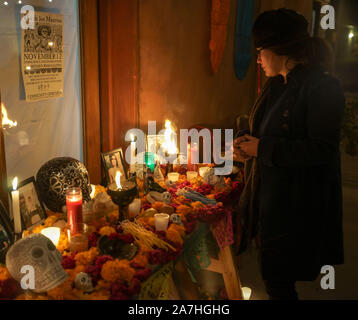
[192, 156]
[74, 208]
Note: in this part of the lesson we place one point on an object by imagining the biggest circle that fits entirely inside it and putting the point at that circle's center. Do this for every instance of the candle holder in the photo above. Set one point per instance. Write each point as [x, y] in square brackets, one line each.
[122, 197]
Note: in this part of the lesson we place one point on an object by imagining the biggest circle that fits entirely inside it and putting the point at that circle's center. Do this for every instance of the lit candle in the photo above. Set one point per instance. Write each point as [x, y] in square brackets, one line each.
[173, 176]
[161, 221]
[134, 208]
[16, 207]
[246, 293]
[190, 175]
[74, 208]
[53, 234]
[133, 155]
[93, 188]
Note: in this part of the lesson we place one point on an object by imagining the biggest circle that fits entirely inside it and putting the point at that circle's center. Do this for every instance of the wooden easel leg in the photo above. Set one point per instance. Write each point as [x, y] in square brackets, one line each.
[230, 275]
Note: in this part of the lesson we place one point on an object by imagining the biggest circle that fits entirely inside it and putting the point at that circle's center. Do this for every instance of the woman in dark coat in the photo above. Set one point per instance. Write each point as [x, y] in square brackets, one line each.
[292, 198]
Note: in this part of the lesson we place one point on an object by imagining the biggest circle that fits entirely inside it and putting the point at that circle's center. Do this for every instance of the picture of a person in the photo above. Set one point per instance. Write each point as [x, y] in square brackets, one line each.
[44, 32]
[112, 171]
[33, 209]
[24, 211]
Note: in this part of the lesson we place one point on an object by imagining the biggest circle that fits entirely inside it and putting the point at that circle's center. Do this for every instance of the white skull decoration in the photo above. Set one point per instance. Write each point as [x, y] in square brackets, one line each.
[84, 282]
[167, 197]
[40, 253]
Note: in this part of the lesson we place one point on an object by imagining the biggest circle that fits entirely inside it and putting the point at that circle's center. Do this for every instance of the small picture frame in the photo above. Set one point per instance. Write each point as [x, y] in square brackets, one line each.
[113, 161]
[6, 228]
[32, 210]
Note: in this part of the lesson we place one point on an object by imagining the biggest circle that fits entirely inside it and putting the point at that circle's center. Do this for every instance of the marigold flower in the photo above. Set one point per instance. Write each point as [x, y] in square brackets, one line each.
[174, 236]
[4, 273]
[50, 221]
[113, 217]
[157, 205]
[106, 231]
[183, 209]
[87, 258]
[179, 228]
[61, 291]
[113, 271]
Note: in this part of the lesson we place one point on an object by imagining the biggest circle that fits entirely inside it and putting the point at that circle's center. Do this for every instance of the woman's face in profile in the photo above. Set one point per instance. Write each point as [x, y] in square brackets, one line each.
[271, 63]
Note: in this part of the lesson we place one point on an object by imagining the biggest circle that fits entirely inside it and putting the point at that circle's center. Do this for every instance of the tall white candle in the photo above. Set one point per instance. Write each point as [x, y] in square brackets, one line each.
[16, 207]
[133, 147]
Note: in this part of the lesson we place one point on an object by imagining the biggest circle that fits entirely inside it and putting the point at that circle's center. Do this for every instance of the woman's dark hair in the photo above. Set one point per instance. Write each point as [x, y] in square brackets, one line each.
[285, 32]
[114, 157]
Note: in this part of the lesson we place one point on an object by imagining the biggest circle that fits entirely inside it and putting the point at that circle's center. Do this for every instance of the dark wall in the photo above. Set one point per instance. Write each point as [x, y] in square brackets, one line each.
[176, 79]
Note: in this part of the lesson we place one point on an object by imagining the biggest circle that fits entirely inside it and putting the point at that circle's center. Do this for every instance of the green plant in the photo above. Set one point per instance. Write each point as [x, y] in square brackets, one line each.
[349, 133]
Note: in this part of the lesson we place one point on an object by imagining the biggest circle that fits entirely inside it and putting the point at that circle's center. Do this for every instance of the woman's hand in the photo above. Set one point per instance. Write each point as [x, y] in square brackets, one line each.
[250, 145]
[238, 154]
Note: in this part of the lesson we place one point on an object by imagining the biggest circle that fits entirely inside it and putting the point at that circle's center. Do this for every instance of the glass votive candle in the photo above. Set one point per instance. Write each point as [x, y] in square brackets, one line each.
[134, 208]
[190, 175]
[53, 234]
[173, 176]
[78, 239]
[161, 221]
[74, 207]
[203, 170]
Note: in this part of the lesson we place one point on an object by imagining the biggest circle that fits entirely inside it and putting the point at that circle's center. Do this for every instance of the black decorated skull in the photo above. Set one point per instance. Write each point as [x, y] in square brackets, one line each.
[58, 175]
[38, 252]
[84, 282]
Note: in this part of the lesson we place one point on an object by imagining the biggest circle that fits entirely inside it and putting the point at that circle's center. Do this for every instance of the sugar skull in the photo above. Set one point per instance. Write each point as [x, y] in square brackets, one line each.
[56, 176]
[40, 253]
[84, 282]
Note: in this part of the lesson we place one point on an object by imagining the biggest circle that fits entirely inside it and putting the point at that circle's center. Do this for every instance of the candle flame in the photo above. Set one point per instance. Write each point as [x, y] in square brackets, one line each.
[14, 184]
[5, 120]
[169, 141]
[118, 180]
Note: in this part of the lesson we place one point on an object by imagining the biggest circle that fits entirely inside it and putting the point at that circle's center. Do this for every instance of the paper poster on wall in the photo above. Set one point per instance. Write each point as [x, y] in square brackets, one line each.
[43, 58]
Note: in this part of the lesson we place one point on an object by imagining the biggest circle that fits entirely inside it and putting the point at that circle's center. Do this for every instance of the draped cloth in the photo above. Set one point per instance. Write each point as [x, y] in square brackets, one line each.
[248, 200]
[244, 22]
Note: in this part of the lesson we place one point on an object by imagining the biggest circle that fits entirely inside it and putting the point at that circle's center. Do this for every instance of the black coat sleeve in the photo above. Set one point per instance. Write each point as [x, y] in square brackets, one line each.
[325, 110]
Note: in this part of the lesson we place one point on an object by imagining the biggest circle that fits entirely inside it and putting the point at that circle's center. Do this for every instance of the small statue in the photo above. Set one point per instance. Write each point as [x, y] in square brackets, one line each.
[151, 185]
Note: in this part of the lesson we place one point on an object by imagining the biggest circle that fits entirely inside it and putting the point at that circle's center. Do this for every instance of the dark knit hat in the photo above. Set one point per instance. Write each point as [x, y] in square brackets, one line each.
[279, 27]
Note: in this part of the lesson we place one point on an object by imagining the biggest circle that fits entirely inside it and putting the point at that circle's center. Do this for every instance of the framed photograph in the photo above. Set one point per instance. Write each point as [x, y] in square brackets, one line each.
[32, 211]
[113, 161]
[6, 229]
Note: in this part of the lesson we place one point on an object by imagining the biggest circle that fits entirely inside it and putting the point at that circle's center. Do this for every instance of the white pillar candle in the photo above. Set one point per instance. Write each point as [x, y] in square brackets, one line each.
[53, 234]
[190, 175]
[16, 207]
[133, 155]
[134, 208]
[161, 221]
[173, 176]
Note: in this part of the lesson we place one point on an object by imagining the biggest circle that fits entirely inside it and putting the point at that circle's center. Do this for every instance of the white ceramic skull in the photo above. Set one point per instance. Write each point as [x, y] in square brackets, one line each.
[84, 282]
[39, 252]
[167, 197]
